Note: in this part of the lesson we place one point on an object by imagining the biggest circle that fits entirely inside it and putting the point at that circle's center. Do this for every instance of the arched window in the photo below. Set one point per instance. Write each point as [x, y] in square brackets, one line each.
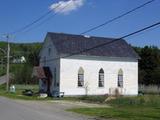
[101, 78]
[49, 51]
[120, 78]
[80, 77]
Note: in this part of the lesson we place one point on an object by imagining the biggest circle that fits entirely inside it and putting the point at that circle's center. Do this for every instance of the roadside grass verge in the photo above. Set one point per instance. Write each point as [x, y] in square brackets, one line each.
[18, 94]
[127, 108]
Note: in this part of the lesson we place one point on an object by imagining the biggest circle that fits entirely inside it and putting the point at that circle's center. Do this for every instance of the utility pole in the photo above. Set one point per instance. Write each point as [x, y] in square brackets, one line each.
[7, 36]
[8, 60]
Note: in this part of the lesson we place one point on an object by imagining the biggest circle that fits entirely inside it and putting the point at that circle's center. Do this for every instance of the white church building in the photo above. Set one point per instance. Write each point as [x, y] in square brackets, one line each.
[84, 65]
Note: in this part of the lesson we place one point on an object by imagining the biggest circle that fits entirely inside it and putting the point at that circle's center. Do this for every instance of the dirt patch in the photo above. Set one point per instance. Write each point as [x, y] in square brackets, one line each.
[73, 104]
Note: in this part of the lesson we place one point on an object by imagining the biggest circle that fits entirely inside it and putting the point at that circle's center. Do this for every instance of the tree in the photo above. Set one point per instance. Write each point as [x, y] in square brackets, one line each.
[149, 65]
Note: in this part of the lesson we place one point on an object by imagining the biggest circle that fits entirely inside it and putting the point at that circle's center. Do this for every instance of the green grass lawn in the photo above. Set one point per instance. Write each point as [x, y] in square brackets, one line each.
[127, 108]
[18, 94]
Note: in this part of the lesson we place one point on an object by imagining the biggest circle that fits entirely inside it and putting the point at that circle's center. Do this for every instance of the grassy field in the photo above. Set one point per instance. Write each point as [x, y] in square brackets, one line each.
[18, 94]
[127, 108]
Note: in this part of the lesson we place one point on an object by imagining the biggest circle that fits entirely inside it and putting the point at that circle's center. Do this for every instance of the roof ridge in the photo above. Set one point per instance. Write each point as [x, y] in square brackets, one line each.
[85, 36]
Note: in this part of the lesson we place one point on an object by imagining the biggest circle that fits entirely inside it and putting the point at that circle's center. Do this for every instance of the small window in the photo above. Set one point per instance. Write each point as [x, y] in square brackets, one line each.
[80, 77]
[120, 78]
[49, 51]
[101, 78]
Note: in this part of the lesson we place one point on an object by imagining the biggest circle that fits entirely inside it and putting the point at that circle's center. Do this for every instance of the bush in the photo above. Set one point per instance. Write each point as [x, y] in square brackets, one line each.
[3, 87]
[22, 74]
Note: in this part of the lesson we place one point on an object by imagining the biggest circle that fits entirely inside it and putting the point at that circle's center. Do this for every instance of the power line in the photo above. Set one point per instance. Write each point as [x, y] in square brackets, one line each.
[35, 21]
[96, 27]
[47, 19]
[109, 21]
[149, 30]
[107, 43]
[50, 11]
[118, 17]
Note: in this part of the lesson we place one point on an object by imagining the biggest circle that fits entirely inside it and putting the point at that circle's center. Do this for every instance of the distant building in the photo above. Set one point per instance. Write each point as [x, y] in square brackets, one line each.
[97, 71]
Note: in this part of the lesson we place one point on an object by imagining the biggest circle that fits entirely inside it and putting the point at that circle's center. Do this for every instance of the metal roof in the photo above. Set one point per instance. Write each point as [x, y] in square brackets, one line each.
[69, 44]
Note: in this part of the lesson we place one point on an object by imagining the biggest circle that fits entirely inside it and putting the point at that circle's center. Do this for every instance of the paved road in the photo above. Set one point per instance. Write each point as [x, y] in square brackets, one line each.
[33, 110]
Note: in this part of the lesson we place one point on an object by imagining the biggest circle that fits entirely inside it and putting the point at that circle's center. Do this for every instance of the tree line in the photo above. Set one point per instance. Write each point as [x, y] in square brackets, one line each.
[149, 65]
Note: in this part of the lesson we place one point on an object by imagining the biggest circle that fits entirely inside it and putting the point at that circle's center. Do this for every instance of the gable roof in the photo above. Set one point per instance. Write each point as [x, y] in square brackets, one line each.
[68, 44]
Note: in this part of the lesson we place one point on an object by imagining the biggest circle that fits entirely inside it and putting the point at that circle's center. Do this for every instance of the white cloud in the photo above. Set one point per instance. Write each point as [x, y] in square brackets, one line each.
[65, 7]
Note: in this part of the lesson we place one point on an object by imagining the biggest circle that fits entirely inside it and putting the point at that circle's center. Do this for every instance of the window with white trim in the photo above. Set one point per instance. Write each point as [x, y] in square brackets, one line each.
[80, 77]
[120, 78]
[101, 78]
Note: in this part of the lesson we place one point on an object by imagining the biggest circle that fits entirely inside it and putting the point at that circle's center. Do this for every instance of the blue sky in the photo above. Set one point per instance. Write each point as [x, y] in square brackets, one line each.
[15, 14]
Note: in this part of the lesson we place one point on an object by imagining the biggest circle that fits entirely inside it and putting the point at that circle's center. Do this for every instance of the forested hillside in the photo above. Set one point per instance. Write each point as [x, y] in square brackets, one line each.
[28, 50]
[22, 72]
[149, 64]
